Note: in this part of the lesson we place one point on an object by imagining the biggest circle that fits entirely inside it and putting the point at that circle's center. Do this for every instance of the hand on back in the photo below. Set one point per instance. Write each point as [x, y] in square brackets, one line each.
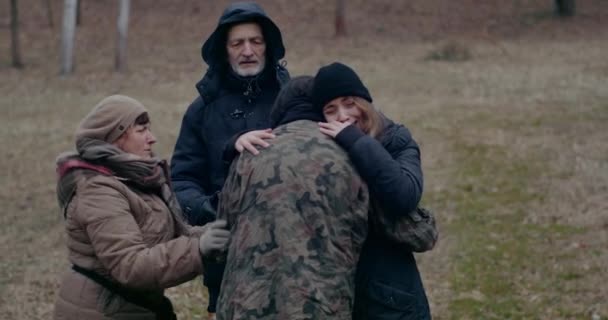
[248, 141]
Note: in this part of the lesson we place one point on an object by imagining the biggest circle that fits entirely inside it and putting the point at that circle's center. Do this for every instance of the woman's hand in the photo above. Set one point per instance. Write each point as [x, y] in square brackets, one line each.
[333, 128]
[249, 140]
[215, 238]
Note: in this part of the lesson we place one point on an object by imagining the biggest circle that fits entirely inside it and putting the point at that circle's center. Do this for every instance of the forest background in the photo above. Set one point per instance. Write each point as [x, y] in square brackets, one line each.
[508, 101]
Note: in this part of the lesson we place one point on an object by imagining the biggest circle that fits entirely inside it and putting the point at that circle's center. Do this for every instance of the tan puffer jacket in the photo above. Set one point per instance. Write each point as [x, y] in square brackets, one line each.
[128, 236]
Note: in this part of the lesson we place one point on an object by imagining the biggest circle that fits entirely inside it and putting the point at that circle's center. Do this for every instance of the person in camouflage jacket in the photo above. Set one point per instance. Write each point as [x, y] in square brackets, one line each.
[297, 213]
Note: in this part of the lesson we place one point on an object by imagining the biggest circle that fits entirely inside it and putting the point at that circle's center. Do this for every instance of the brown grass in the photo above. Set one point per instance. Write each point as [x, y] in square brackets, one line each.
[513, 140]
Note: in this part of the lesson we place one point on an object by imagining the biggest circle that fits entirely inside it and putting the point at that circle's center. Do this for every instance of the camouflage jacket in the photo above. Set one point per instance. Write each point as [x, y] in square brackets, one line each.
[298, 217]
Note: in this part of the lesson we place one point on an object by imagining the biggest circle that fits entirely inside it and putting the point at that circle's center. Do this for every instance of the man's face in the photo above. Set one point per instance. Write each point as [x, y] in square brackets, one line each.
[246, 49]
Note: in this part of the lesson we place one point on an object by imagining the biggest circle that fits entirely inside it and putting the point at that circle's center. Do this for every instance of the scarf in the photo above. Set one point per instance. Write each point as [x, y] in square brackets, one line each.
[96, 157]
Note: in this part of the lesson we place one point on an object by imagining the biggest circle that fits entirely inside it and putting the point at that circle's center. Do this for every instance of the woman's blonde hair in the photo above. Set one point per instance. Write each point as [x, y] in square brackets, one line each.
[371, 120]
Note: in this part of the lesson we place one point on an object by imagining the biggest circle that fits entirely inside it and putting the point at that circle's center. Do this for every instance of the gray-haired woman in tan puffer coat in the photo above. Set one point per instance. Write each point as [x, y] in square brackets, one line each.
[126, 238]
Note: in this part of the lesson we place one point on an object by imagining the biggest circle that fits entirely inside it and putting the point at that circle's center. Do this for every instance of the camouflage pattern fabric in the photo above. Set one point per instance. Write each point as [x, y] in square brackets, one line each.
[298, 217]
[416, 231]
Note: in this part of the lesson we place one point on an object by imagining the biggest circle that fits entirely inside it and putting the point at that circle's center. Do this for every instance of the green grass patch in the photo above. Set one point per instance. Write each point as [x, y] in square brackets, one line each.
[499, 269]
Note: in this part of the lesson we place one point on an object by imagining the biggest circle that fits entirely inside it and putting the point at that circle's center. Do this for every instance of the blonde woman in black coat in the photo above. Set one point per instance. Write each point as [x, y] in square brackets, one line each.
[388, 283]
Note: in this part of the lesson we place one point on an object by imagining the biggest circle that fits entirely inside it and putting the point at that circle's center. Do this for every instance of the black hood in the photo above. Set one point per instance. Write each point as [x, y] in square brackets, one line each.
[214, 49]
[294, 103]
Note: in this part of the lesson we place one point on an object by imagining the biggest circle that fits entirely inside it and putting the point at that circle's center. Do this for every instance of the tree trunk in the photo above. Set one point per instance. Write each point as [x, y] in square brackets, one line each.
[340, 22]
[78, 9]
[565, 8]
[15, 49]
[121, 45]
[49, 13]
[67, 36]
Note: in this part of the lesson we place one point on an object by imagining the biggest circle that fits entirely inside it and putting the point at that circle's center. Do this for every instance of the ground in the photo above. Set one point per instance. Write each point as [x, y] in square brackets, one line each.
[508, 103]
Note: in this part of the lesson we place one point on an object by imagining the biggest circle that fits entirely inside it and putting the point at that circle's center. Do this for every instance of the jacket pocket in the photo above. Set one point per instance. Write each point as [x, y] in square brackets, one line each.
[387, 302]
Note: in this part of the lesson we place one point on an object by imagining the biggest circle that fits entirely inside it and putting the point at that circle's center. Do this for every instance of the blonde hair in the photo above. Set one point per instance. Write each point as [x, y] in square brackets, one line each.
[371, 120]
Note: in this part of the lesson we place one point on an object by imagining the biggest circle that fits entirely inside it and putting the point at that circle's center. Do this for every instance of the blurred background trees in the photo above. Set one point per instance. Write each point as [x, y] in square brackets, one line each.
[340, 22]
[344, 22]
[565, 8]
[67, 36]
[15, 46]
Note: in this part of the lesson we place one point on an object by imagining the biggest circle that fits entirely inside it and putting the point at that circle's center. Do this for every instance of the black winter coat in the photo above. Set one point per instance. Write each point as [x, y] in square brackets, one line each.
[228, 104]
[197, 168]
[388, 283]
[234, 106]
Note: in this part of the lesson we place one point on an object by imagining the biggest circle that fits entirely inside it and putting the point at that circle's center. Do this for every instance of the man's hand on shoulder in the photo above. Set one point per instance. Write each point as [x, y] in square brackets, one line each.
[248, 141]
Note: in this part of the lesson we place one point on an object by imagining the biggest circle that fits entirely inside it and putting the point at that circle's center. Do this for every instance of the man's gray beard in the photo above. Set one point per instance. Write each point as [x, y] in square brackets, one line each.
[261, 67]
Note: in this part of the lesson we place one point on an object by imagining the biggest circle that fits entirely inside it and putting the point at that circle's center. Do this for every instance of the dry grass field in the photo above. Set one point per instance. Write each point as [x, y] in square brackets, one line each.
[514, 136]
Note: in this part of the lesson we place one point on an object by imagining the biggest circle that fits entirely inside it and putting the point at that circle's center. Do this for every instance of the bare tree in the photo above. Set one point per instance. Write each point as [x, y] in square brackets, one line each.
[340, 23]
[565, 8]
[67, 36]
[78, 10]
[49, 13]
[15, 49]
[120, 63]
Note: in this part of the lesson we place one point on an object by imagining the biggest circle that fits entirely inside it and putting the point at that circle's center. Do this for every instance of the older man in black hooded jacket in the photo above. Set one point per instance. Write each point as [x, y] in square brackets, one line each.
[236, 94]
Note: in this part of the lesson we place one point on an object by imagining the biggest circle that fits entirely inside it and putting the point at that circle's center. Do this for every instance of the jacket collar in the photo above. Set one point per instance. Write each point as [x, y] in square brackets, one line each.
[213, 81]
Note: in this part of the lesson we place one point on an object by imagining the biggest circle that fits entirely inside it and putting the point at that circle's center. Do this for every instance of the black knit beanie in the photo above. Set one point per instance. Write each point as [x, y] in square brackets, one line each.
[337, 80]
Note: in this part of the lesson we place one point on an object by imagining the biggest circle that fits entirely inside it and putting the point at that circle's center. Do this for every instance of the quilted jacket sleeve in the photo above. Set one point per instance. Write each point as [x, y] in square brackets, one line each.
[104, 212]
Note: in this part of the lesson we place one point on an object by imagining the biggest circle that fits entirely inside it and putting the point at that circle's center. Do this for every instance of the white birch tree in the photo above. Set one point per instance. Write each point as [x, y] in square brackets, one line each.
[120, 63]
[67, 36]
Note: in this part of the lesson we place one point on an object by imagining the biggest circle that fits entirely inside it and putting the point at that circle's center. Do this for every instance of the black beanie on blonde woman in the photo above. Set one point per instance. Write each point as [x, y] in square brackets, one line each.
[337, 80]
